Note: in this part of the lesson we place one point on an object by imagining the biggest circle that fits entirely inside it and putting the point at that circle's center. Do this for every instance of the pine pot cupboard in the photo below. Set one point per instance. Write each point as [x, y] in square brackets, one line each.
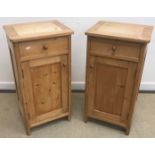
[115, 59]
[41, 59]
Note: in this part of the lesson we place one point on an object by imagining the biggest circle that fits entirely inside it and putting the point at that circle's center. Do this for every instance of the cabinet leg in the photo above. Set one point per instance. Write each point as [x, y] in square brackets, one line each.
[69, 117]
[127, 131]
[28, 131]
[85, 118]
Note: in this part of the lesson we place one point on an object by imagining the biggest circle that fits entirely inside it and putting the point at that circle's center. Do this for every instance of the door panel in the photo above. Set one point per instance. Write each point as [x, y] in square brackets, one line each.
[46, 83]
[110, 84]
[114, 86]
[43, 83]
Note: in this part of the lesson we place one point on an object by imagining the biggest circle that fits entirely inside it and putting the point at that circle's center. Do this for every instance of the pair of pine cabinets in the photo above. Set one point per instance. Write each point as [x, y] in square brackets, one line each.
[41, 59]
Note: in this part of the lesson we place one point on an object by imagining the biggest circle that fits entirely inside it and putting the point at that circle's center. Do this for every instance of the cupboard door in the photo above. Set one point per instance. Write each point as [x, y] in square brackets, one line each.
[46, 87]
[110, 84]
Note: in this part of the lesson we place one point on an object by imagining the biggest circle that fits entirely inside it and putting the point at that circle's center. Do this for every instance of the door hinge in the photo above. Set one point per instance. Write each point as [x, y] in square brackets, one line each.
[28, 115]
[135, 72]
[22, 73]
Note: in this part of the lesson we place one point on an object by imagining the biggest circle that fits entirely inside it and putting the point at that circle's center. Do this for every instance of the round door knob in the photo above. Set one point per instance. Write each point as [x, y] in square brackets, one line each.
[64, 65]
[45, 47]
[113, 48]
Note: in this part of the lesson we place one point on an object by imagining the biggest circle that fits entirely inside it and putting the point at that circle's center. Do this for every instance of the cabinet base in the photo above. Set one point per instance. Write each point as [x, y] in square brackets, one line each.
[28, 130]
[123, 126]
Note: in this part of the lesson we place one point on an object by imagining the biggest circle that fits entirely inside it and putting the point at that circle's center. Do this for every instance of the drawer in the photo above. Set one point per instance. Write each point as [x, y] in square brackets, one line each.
[40, 48]
[116, 49]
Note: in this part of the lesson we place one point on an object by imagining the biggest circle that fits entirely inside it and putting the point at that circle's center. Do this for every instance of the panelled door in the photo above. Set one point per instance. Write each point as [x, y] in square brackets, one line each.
[45, 83]
[110, 84]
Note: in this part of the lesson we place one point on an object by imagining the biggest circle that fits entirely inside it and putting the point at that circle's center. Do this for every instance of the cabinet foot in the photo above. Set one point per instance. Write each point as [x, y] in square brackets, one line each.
[69, 118]
[28, 131]
[127, 131]
[85, 119]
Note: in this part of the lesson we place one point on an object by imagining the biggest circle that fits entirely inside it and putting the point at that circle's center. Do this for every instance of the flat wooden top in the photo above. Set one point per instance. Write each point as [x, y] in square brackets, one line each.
[36, 30]
[121, 31]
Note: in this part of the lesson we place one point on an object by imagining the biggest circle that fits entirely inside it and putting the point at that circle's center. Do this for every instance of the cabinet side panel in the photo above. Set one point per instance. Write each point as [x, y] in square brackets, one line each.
[137, 81]
[69, 77]
[14, 52]
[14, 59]
[86, 84]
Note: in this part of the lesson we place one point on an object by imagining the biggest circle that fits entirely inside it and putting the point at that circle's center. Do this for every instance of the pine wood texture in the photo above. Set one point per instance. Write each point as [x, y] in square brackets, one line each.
[36, 30]
[121, 31]
[41, 60]
[115, 59]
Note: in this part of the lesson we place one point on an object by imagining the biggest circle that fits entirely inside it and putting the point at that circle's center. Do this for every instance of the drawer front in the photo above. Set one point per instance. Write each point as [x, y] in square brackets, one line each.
[115, 49]
[41, 48]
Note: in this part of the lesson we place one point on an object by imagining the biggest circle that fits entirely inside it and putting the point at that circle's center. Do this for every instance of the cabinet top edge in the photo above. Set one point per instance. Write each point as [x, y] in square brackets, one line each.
[36, 30]
[121, 31]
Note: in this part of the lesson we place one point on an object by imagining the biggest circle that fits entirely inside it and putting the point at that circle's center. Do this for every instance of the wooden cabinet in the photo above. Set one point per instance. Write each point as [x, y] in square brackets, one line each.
[115, 59]
[41, 59]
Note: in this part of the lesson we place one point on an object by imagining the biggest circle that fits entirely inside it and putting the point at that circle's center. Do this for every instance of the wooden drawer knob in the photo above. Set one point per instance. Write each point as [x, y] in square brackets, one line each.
[113, 48]
[91, 66]
[45, 47]
[121, 86]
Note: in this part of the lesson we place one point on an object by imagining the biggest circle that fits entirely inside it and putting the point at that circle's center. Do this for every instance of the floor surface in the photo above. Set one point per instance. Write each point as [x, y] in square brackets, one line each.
[143, 124]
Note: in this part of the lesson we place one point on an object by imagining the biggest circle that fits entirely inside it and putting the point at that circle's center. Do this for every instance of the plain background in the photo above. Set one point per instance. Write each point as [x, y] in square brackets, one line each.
[80, 8]
[79, 25]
